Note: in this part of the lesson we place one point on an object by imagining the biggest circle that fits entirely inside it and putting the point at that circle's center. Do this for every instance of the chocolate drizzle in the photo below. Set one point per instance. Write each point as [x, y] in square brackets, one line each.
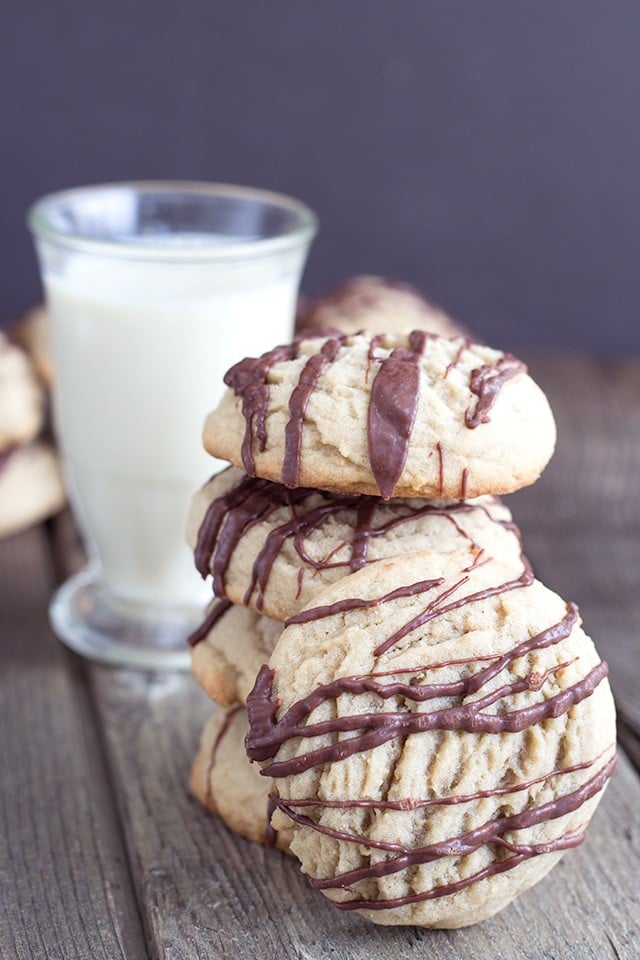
[371, 730]
[222, 732]
[407, 803]
[355, 603]
[298, 405]
[248, 379]
[392, 411]
[436, 609]
[466, 343]
[218, 609]
[486, 383]
[491, 831]
[362, 533]
[393, 401]
[359, 732]
[232, 515]
[440, 450]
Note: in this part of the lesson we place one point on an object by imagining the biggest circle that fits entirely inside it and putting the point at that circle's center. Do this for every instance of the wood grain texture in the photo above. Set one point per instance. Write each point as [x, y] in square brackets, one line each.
[65, 889]
[206, 893]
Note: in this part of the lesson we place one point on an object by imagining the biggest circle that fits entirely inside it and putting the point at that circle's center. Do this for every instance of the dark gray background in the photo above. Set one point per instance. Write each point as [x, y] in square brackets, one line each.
[487, 150]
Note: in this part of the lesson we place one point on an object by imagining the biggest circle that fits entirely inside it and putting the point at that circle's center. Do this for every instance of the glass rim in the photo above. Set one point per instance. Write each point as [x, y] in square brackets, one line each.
[40, 226]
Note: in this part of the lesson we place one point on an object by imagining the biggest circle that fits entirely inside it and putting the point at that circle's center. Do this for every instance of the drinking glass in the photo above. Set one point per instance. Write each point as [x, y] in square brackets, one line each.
[154, 289]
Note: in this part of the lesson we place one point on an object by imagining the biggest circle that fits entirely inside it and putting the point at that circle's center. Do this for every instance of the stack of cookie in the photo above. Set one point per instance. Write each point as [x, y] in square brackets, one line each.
[30, 482]
[433, 726]
[237, 645]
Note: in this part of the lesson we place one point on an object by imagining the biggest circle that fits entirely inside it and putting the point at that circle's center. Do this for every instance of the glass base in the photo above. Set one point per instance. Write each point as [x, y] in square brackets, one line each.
[96, 624]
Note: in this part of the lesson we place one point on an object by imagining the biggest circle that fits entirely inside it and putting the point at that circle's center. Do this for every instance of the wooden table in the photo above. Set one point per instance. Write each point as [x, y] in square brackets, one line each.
[103, 853]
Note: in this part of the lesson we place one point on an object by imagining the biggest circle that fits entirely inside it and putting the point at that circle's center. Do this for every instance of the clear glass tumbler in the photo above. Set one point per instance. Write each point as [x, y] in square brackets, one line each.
[154, 290]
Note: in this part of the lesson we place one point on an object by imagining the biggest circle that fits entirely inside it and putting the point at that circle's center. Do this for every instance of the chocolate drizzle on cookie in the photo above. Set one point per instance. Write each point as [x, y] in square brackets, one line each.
[267, 734]
[248, 379]
[408, 803]
[440, 450]
[393, 404]
[434, 608]
[490, 832]
[233, 514]
[472, 693]
[216, 611]
[393, 401]
[486, 383]
[213, 756]
[298, 405]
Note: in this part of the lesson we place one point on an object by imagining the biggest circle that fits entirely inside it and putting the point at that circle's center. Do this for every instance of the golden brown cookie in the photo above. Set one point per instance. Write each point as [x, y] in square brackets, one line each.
[226, 783]
[21, 398]
[437, 737]
[33, 332]
[273, 549]
[405, 415]
[228, 650]
[30, 486]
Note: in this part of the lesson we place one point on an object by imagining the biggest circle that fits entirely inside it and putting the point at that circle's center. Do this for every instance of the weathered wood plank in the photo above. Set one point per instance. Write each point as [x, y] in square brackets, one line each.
[206, 893]
[65, 884]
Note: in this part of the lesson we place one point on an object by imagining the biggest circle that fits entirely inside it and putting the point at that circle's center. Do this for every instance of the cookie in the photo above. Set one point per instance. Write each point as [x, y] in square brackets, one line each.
[404, 416]
[33, 332]
[438, 738]
[376, 305]
[21, 398]
[273, 549]
[228, 650]
[30, 486]
[224, 782]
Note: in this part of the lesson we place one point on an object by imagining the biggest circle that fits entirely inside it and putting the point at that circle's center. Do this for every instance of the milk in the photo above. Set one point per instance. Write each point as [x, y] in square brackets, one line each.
[140, 350]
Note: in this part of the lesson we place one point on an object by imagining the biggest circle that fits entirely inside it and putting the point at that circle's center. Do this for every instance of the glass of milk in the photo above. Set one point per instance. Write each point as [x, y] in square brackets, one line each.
[155, 290]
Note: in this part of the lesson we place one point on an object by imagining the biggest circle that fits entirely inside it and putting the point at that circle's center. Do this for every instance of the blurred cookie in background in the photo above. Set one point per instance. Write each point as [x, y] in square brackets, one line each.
[33, 333]
[30, 480]
[30, 486]
[376, 305]
[21, 397]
